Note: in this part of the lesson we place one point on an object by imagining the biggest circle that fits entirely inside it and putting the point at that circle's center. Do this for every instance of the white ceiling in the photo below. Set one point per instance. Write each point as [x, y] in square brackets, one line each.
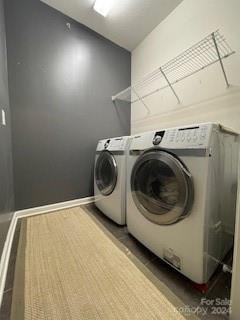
[128, 22]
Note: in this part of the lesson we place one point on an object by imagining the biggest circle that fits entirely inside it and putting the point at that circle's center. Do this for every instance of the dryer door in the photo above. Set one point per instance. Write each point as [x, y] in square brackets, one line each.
[106, 173]
[162, 187]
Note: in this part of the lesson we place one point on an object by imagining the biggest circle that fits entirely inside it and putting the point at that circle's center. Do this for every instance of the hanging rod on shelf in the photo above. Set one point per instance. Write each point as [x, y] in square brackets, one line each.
[210, 50]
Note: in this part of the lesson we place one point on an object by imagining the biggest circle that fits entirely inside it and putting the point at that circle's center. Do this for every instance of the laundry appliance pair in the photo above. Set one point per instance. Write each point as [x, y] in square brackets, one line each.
[180, 194]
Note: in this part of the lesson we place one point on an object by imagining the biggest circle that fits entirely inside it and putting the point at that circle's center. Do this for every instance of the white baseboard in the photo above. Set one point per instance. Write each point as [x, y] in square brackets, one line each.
[53, 207]
[27, 213]
[6, 255]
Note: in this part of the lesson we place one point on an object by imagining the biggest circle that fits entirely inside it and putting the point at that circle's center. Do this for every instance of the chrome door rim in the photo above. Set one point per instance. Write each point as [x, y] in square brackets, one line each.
[184, 178]
[106, 191]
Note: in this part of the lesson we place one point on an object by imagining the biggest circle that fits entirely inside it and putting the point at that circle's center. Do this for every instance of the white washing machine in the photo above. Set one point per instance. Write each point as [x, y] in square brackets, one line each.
[181, 195]
[110, 178]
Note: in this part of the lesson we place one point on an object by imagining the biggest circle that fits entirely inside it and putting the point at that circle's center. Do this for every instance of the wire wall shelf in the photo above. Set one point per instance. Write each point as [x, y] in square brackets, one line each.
[210, 50]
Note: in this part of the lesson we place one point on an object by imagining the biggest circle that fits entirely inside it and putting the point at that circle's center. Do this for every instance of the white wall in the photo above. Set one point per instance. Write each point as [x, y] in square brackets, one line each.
[191, 21]
[235, 294]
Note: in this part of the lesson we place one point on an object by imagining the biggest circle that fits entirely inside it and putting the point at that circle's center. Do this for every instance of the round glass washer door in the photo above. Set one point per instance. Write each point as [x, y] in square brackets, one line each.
[162, 187]
[106, 173]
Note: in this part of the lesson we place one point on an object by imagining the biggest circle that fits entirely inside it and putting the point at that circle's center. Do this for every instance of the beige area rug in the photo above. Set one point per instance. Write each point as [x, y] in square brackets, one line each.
[70, 267]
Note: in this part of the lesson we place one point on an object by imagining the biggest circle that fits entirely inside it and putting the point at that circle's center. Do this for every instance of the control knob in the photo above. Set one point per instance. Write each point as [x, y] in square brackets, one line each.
[156, 140]
[106, 144]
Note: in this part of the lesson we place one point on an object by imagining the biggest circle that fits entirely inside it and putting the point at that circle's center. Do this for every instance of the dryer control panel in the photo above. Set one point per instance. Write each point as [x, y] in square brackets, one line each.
[184, 137]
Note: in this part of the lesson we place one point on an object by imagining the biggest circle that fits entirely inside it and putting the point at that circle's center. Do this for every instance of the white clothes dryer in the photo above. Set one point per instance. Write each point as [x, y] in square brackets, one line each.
[110, 178]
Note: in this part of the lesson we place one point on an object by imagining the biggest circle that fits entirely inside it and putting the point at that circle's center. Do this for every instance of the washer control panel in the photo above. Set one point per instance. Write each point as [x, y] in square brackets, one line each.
[113, 144]
[184, 137]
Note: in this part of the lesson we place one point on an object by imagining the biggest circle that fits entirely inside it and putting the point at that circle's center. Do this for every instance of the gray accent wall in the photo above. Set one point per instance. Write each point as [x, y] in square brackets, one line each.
[6, 178]
[61, 79]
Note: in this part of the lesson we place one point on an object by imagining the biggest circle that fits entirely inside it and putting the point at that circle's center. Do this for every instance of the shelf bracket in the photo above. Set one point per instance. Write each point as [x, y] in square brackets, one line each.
[220, 60]
[140, 99]
[170, 85]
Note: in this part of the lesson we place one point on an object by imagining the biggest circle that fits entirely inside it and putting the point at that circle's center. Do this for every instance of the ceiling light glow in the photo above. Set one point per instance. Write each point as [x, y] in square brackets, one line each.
[102, 7]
